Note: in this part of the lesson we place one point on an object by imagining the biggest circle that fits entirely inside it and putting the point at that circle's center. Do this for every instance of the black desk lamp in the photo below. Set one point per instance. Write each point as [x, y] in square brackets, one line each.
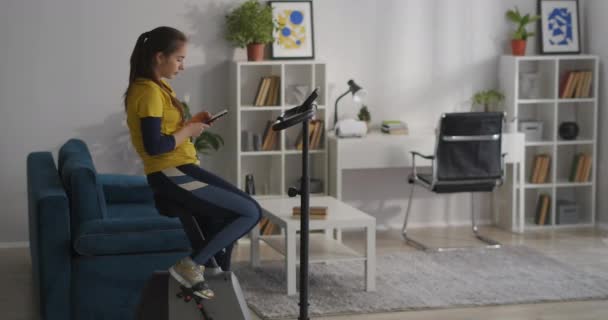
[358, 95]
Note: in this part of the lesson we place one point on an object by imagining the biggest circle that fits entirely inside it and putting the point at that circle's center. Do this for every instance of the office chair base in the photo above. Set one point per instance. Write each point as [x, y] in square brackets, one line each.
[490, 244]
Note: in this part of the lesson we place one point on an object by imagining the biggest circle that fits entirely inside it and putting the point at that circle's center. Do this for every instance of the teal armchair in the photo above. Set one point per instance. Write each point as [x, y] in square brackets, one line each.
[94, 238]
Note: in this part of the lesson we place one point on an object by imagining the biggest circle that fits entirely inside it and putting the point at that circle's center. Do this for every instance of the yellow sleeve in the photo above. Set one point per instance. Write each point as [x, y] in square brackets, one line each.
[150, 104]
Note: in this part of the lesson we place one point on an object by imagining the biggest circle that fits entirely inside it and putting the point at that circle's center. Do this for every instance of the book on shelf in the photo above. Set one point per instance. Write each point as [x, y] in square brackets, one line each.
[541, 167]
[269, 138]
[576, 84]
[581, 167]
[268, 91]
[314, 212]
[543, 207]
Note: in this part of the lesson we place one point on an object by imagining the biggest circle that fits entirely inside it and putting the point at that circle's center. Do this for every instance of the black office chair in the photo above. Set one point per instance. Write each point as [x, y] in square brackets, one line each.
[467, 159]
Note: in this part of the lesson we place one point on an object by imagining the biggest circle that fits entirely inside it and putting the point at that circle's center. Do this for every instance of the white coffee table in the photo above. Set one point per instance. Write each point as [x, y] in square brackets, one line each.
[323, 247]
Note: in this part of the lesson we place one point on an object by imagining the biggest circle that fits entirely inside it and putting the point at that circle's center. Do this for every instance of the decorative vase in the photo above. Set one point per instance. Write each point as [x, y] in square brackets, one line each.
[518, 47]
[255, 52]
[568, 130]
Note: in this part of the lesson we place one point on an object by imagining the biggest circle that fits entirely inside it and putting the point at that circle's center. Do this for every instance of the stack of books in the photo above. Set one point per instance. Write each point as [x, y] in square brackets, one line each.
[268, 91]
[267, 227]
[314, 212]
[541, 168]
[394, 127]
[576, 84]
[315, 135]
[581, 168]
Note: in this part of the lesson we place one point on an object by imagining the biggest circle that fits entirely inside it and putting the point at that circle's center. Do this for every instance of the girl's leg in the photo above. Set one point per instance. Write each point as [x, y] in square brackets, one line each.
[208, 196]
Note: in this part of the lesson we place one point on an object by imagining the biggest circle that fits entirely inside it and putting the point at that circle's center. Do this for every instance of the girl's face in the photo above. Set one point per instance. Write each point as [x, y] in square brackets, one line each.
[169, 66]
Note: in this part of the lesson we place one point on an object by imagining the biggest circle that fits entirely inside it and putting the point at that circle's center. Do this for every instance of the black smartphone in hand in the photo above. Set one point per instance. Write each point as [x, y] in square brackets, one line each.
[217, 116]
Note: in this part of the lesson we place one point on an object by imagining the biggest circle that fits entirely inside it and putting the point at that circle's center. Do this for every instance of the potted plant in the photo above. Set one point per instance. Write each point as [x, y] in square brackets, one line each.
[364, 115]
[250, 25]
[207, 141]
[521, 34]
[489, 99]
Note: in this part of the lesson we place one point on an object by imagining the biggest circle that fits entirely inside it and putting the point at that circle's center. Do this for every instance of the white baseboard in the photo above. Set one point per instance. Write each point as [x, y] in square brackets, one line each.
[13, 245]
[603, 226]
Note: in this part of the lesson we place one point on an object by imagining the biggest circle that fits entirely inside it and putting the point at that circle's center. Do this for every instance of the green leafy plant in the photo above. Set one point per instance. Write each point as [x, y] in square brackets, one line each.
[521, 33]
[364, 114]
[208, 140]
[488, 99]
[249, 23]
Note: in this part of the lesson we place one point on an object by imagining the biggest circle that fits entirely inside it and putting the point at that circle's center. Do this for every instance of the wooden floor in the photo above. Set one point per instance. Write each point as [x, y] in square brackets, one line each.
[587, 249]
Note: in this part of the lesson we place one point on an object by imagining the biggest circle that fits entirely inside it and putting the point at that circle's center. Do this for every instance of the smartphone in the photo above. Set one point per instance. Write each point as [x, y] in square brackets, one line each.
[217, 116]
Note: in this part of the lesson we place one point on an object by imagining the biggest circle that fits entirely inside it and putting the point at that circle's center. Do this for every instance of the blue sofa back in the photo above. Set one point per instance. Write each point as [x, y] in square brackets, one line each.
[80, 181]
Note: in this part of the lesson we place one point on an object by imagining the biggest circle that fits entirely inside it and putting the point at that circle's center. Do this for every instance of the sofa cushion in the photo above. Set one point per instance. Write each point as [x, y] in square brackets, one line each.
[130, 236]
[131, 210]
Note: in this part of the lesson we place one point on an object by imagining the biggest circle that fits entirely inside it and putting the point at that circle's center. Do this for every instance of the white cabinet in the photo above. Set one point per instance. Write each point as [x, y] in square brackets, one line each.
[277, 166]
[534, 88]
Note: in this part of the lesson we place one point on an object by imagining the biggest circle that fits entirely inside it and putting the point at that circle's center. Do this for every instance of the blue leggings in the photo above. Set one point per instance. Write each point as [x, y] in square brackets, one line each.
[222, 211]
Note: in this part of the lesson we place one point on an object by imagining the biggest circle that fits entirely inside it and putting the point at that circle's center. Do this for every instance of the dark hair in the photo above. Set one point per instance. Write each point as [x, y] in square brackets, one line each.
[162, 39]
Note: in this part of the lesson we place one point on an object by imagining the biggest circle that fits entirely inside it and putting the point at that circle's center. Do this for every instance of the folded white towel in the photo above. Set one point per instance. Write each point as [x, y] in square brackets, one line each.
[351, 128]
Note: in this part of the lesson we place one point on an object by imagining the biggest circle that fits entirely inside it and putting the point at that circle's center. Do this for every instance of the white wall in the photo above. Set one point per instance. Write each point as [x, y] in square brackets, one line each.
[597, 43]
[64, 68]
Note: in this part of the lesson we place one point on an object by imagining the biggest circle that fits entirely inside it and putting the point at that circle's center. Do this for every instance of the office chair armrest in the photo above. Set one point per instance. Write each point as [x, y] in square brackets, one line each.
[414, 154]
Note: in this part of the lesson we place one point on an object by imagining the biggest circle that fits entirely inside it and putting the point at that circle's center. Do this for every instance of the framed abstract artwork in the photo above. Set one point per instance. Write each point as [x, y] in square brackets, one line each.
[294, 36]
[559, 26]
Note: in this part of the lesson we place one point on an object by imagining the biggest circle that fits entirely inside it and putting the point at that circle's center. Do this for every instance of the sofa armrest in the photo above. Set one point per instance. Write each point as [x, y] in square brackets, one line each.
[121, 188]
[50, 237]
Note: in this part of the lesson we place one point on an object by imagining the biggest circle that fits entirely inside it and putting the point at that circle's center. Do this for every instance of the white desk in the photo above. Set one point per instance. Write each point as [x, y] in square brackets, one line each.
[378, 150]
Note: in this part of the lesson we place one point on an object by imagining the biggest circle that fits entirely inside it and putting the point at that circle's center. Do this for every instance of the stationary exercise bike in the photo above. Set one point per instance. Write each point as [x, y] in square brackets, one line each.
[163, 298]
[294, 116]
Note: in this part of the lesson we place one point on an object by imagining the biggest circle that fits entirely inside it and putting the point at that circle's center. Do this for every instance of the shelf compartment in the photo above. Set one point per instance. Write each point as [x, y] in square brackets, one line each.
[259, 166]
[536, 79]
[317, 170]
[533, 207]
[580, 113]
[575, 204]
[298, 83]
[251, 76]
[543, 112]
[567, 66]
[567, 163]
[252, 131]
[293, 135]
[531, 159]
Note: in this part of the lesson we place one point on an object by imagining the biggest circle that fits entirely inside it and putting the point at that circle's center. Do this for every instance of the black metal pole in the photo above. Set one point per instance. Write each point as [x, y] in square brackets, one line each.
[304, 202]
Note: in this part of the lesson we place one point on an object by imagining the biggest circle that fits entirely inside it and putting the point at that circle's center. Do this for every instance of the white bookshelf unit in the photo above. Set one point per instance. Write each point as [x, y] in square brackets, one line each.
[279, 168]
[541, 99]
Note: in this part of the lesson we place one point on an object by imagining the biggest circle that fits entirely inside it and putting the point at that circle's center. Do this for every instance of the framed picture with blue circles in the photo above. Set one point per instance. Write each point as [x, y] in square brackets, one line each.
[559, 26]
[293, 35]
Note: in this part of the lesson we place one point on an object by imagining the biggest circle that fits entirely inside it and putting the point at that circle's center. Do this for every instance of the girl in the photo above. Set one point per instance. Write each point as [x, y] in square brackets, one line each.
[161, 138]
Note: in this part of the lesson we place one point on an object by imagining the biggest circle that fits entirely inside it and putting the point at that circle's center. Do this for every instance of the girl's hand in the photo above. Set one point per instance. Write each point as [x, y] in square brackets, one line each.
[200, 117]
[194, 129]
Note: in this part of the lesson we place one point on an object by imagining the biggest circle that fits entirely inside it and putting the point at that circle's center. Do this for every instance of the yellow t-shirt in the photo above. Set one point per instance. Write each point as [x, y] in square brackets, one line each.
[145, 98]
